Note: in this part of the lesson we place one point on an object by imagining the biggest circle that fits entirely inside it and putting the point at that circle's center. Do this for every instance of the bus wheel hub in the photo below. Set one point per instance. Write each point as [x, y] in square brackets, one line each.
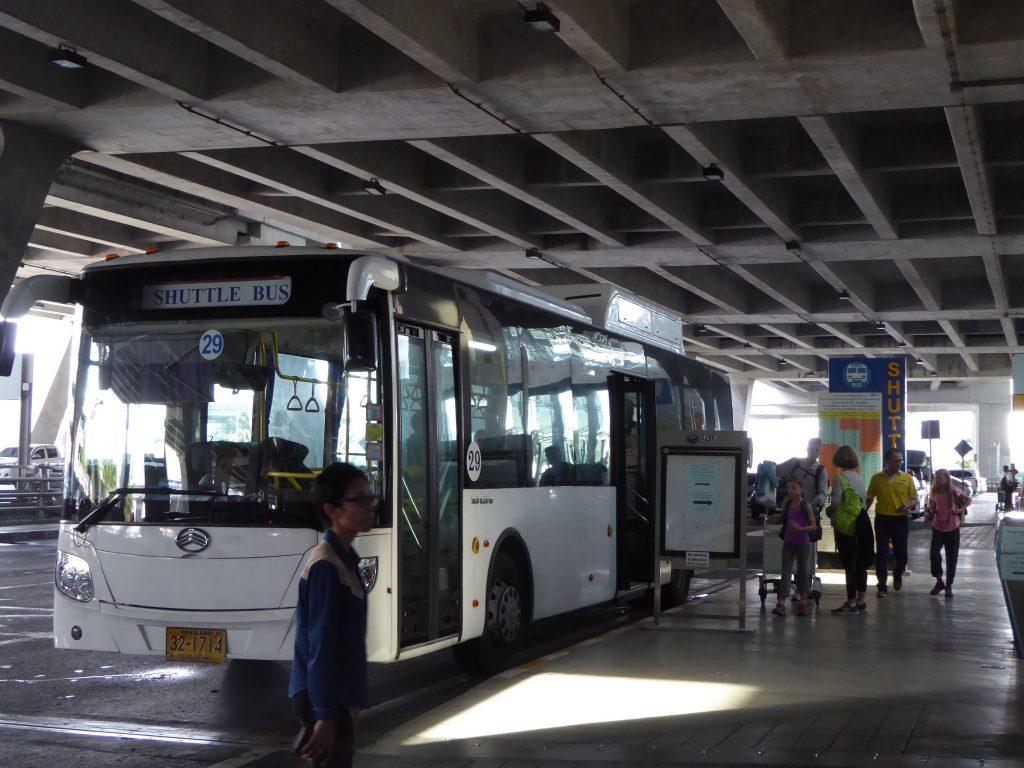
[507, 611]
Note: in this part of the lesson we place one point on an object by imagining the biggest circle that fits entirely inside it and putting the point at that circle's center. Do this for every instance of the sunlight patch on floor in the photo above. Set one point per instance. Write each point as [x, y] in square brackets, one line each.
[552, 700]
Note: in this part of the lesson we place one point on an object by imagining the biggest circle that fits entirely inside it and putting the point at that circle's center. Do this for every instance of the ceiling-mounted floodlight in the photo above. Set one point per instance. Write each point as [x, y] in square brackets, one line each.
[66, 57]
[900, 343]
[793, 246]
[879, 326]
[712, 172]
[374, 187]
[843, 295]
[541, 18]
[919, 362]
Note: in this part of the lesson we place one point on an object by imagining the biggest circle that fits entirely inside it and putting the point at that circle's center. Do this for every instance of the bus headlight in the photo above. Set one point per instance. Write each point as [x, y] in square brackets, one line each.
[73, 577]
[368, 572]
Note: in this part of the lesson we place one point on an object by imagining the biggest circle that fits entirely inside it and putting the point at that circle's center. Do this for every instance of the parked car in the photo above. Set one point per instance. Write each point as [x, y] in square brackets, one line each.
[966, 480]
[39, 454]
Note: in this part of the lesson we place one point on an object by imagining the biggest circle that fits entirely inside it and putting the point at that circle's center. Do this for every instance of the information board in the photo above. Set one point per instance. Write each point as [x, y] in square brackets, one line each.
[701, 502]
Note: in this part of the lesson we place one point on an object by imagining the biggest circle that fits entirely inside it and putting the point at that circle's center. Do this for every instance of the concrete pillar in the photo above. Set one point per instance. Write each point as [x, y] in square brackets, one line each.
[742, 395]
[51, 416]
[29, 161]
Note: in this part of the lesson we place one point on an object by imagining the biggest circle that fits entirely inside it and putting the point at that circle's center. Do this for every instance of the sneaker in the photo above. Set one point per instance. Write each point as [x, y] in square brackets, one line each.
[801, 608]
[883, 590]
[949, 591]
[844, 609]
[862, 607]
[780, 610]
[897, 581]
[939, 586]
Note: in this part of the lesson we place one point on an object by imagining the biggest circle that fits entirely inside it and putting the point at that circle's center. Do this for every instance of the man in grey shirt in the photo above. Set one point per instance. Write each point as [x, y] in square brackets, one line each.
[811, 471]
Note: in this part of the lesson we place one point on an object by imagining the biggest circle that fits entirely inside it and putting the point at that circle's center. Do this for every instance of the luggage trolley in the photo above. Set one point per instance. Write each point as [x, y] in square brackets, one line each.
[772, 563]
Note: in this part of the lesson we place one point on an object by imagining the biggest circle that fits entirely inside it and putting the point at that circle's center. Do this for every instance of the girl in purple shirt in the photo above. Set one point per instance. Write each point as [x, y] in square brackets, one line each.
[797, 525]
[944, 508]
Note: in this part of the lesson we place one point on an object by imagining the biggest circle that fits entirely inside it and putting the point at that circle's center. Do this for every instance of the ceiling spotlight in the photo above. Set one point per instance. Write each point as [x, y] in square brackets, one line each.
[843, 295]
[783, 363]
[793, 246]
[712, 172]
[541, 18]
[879, 326]
[374, 187]
[919, 362]
[900, 343]
[66, 57]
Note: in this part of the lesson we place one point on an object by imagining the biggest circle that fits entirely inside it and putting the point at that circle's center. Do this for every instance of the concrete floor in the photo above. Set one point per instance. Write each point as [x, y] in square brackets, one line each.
[917, 680]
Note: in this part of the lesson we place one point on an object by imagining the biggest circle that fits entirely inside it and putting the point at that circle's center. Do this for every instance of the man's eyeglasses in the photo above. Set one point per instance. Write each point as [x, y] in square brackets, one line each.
[366, 500]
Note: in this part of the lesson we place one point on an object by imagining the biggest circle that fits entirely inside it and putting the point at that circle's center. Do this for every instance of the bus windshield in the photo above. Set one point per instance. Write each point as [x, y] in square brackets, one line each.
[243, 416]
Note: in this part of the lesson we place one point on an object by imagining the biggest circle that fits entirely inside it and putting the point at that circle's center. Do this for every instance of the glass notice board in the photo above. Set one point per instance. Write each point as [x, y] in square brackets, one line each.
[700, 502]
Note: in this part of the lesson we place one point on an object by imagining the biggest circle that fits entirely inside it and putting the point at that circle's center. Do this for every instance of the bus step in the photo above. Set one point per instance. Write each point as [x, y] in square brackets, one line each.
[634, 592]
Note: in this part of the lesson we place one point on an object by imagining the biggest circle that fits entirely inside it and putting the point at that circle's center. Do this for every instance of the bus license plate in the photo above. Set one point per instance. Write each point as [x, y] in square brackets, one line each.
[202, 646]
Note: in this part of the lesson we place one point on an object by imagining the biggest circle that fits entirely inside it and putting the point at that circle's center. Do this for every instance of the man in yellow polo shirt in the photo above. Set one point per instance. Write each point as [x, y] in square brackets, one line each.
[895, 493]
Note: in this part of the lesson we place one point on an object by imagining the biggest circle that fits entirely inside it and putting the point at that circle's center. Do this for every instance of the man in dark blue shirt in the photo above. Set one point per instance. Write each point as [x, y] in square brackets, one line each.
[329, 681]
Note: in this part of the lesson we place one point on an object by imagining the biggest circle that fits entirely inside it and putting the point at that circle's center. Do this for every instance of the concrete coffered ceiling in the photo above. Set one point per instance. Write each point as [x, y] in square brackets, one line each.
[871, 153]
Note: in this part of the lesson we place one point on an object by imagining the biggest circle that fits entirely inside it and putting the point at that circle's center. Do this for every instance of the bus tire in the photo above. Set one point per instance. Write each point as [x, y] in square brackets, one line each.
[678, 587]
[504, 625]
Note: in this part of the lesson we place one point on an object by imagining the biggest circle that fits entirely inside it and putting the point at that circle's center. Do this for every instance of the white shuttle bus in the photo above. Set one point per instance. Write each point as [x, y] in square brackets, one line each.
[510, 433]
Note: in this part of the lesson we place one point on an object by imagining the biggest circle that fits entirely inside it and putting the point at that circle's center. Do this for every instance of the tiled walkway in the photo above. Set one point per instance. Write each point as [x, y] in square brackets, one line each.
[917, 681]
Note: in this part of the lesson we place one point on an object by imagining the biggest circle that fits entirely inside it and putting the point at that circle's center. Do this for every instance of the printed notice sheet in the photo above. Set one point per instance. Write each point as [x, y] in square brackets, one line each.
[700, 503]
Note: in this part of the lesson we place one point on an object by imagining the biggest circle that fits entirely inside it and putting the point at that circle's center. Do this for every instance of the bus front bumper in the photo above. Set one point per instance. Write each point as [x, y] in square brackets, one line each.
[102, 626]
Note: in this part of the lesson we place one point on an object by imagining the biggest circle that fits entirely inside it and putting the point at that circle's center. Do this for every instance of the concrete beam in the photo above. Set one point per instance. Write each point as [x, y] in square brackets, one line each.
[836, 139]
[1010, 331]
[598, 30]
[107, 233]
[763, 25]
[200, 179]
[501, 164]
[965, 127]
[608, 156]
[996, 278]
[121, 38]
[716, 143]
[924, 282]
[61, 244]
[298, 42]
[28, 162]
[709, 283]
[306, 179]
[958, 341]
[401, 169]
[440, 35]
[937, 22]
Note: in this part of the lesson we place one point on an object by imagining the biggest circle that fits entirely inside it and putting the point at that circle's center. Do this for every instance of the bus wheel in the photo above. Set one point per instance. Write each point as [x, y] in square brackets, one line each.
[503, 628]
[677, 588]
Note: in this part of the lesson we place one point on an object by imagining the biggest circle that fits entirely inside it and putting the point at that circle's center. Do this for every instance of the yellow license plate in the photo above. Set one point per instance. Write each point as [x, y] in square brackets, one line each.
[197, 646]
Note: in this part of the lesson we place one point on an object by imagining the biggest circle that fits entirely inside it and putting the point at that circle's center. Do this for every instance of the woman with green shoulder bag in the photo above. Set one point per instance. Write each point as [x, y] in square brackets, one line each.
[855, 541]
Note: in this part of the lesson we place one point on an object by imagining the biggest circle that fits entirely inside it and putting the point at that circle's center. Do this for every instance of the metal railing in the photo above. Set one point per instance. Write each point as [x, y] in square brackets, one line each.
[31, 492]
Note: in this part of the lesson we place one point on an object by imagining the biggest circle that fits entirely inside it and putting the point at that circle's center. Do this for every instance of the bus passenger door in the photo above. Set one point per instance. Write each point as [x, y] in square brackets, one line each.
[633, 448]
[429, 519]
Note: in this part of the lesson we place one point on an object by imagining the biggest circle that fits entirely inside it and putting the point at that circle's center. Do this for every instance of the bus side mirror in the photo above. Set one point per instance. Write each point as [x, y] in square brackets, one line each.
[8, 335]
[361, 342]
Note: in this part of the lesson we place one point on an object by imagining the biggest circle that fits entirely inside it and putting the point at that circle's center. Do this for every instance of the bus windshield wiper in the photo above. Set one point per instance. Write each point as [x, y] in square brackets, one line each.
[105, 504]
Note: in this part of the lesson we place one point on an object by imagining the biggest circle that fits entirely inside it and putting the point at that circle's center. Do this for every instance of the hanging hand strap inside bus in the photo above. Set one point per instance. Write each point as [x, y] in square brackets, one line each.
[294, 403]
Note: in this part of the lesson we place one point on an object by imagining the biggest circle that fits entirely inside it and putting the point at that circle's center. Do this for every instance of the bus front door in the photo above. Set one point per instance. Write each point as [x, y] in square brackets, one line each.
[632, 410]
[428, 524]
